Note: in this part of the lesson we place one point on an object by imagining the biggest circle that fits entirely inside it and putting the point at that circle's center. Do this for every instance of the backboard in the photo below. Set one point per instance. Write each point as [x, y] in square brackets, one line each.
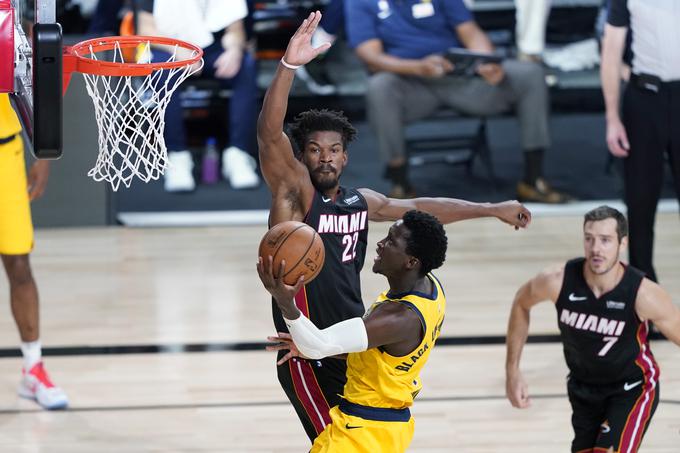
[36, 88]
[129, 87]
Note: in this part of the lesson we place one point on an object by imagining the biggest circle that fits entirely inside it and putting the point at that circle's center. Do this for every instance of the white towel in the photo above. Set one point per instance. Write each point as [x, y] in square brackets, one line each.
[195, 21]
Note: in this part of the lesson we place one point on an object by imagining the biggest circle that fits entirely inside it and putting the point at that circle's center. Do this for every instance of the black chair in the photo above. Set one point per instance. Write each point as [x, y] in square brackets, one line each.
[458, 149]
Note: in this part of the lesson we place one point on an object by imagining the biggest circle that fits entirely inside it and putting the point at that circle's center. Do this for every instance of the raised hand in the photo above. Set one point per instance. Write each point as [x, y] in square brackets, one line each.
[300, 50]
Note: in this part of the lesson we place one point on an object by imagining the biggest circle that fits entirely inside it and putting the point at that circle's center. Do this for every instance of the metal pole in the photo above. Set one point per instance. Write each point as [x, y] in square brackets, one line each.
[45, 12]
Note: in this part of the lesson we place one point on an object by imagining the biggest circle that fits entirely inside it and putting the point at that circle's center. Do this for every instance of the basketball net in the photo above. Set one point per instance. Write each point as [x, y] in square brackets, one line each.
[130, 114]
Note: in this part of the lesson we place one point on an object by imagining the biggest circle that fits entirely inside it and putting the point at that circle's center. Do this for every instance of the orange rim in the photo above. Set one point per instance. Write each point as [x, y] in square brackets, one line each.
[76, 57]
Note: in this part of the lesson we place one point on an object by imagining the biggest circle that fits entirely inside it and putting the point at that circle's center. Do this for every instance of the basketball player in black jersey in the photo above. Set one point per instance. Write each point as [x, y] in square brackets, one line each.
[305, 187]
[603, 312]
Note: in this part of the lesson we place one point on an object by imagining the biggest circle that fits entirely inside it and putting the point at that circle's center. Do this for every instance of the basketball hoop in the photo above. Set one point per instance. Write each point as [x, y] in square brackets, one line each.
[130, 99]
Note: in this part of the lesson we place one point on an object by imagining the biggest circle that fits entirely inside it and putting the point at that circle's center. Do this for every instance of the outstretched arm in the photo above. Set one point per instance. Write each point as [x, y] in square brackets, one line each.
[281, 170]
[544, 286]
[388, 324]
[447, 210]
[653, 303]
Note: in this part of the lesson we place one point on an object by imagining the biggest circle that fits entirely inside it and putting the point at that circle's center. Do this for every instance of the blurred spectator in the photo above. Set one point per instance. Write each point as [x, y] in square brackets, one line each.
[72, 15]
[218, 28]
[648, 128]
[402, 42]
[531, 21]
[106, 17]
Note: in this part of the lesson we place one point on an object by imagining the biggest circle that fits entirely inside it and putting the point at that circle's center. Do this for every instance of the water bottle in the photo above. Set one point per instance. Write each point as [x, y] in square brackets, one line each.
[210, 170]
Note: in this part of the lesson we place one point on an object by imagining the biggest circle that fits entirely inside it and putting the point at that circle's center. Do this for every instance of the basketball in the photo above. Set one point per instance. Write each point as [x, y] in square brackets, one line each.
[299, 245]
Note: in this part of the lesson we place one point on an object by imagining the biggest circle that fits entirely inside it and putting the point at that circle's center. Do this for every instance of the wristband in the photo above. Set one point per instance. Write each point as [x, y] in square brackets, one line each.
[288, 65]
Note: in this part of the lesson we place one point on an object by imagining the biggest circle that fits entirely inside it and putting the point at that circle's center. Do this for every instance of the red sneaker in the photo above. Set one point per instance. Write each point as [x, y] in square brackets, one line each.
[38, 386]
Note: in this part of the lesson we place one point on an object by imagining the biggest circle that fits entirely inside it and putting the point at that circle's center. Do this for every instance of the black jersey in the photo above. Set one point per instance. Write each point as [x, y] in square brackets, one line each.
[604, 340]
[335, 294]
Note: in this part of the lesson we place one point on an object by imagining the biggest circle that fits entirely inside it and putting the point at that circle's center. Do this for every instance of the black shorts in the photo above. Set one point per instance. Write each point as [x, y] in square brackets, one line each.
[313, 387]
[615, 415]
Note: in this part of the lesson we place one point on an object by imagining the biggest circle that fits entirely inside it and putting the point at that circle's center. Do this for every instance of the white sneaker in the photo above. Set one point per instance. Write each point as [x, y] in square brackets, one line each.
[36, 385]
[238, 167]
[178, 175]
[320, 87]
[576, 56]
[321, 36]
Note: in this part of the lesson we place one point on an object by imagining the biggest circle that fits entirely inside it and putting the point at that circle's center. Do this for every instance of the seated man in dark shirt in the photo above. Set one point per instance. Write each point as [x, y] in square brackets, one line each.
[402, 45]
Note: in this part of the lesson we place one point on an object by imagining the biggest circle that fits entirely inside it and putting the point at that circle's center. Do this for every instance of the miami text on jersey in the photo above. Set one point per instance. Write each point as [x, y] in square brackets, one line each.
[592, 323]
[347, 223]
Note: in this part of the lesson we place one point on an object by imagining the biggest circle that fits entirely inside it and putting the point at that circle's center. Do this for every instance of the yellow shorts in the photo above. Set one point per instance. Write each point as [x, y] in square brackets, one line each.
[350, 434]
[16, 227]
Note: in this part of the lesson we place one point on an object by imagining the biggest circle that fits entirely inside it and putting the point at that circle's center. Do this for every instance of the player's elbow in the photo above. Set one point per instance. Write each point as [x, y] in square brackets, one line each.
[266, 145]
[321, 348]
[263, 130]
[522, 298]
[674, 333]
[311, 353]
[267, 132]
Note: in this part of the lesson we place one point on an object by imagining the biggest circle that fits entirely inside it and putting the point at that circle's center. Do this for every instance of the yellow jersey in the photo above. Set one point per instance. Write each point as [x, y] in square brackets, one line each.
[378, 379]
[9, 122]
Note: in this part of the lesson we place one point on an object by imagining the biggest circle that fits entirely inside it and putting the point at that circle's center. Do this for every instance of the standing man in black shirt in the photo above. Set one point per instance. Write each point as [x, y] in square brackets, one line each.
[305, 187]
[651, 110]
[603, 312]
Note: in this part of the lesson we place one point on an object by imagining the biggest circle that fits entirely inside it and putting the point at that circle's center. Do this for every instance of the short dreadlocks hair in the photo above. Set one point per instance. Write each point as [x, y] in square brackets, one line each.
[320, 120]
[427, 240]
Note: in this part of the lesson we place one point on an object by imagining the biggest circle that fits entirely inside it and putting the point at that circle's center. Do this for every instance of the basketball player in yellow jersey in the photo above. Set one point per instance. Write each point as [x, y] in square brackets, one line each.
[16, 242]
[387, 347]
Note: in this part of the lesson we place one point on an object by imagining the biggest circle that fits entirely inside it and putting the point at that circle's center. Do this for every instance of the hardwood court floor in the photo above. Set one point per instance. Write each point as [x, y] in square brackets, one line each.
[178, 287]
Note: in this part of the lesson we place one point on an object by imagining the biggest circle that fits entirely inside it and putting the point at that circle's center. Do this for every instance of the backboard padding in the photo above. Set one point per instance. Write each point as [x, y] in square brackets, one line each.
[47, 91]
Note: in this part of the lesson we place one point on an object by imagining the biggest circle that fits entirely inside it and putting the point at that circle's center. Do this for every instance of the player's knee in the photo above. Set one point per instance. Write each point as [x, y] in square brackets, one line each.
[18, 269]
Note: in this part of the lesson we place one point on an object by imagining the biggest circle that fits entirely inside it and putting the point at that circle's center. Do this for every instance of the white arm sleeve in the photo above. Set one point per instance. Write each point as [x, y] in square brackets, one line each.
[346, 336]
